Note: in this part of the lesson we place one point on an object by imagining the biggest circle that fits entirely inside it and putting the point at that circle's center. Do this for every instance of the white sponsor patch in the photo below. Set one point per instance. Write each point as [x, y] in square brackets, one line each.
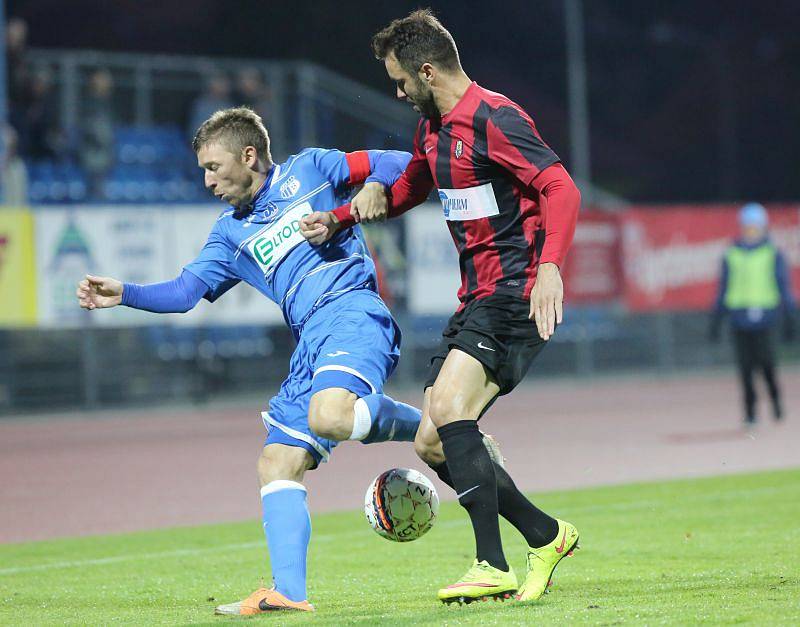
[280, 238]
[470, 203]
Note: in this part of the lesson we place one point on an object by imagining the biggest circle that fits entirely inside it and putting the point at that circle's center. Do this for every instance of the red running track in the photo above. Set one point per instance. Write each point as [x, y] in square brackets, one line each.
[116, 471]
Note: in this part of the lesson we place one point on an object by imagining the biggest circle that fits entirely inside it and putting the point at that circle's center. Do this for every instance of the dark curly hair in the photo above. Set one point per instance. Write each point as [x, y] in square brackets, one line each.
[417, 39]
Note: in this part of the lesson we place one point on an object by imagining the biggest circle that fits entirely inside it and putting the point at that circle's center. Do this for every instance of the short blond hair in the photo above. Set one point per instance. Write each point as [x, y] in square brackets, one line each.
[236, 129]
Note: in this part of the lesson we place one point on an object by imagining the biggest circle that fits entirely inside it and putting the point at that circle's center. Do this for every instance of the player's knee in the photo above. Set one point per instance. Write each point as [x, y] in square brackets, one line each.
[278, 462]
[330, 414]
[447, 407]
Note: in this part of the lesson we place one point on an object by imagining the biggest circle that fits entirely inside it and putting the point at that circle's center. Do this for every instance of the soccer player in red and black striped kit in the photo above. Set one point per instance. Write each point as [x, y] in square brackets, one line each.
[511, 209]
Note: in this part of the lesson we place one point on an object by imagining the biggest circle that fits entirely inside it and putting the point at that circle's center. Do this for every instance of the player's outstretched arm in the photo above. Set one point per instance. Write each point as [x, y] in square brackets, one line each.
[99, 292]
[176, 296]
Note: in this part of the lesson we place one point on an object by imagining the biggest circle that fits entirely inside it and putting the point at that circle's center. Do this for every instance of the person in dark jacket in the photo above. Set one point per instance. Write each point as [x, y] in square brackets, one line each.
[754, 290]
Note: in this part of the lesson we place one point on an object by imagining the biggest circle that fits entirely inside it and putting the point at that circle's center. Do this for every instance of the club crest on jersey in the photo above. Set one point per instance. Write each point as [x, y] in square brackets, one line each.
[459, 149]
[290, 187]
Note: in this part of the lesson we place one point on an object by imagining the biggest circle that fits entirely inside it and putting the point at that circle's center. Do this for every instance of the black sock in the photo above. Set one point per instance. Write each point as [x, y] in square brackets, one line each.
[536, 527]
[472, 472]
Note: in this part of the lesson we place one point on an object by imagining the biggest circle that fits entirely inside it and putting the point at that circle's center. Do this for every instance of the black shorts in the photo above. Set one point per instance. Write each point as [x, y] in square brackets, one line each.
[497, 332]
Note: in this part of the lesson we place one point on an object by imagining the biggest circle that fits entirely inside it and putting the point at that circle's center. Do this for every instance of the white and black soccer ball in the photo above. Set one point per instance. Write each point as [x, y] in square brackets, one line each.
[401, 504]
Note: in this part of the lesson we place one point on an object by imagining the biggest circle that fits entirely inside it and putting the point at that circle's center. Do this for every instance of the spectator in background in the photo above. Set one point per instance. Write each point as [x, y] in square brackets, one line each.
[251, 91]
[17, 69]
[40, 137]
[753, 287]
[217, 96]
[97, 132]
[13, 175]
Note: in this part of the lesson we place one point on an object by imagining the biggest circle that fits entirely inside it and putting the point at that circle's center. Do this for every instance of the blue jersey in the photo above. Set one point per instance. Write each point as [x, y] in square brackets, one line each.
[265, 248]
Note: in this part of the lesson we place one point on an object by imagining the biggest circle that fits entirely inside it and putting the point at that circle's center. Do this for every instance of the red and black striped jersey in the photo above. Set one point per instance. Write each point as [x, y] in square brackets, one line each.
[495, 176]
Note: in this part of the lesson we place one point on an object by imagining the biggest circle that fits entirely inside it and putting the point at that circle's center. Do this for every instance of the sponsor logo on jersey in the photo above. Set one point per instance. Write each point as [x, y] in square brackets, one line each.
[470, 203]
[459, 149]
[290, 187]
[281, 237]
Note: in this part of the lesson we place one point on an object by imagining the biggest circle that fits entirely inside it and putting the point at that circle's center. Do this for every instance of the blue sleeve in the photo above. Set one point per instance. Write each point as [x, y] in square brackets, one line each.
[386, 166]
[719, 304]
[333, 166]
[213, 266]
[784, 283]
[176, 296]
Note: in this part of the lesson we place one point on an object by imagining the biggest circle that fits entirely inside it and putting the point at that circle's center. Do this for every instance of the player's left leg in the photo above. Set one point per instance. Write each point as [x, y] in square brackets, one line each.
[356, 349]
[768, 367]
[745, 356]
[337, 413]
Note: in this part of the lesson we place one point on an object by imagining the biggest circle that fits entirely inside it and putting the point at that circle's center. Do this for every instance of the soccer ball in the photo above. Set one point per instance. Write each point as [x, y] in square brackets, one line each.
[401, 504]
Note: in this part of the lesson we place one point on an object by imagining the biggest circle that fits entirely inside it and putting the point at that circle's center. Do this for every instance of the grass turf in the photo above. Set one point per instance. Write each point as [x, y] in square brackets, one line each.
[715, 551]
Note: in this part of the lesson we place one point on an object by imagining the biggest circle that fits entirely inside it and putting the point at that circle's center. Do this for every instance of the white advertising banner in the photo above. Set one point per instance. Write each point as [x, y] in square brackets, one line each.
[135, 245]
[107, 241]
[433, 275]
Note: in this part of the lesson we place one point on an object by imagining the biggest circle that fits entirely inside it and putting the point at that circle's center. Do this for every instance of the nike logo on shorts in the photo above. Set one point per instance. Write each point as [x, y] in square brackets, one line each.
[465, 492]
[486, 348]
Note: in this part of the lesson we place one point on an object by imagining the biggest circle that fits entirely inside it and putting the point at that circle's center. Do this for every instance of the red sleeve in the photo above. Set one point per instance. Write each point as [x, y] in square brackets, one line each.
[416, 182]
[514, 143]
[560, 200]
[411, 189]
[358, 162]
[343, 216]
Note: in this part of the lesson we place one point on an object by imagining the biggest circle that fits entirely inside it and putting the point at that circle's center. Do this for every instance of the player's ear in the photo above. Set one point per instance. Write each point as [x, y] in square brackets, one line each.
[250, 157]
[427, 72]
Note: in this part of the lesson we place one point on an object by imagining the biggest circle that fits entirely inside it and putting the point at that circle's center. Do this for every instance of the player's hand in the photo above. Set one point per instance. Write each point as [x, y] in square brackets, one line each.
[547, 300]
[99, 292]
[370, 204]
[318, 227]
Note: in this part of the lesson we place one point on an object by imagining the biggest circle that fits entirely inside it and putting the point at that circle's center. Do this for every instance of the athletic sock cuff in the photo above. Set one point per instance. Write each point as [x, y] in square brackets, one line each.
[456, 428]
[281, 484]
[362, 420]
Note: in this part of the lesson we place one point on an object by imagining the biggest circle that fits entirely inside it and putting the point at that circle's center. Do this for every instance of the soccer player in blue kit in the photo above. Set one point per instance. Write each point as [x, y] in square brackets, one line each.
[347, 341]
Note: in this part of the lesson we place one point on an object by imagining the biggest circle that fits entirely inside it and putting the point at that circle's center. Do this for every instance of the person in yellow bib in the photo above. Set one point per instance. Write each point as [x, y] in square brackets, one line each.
[754, 289]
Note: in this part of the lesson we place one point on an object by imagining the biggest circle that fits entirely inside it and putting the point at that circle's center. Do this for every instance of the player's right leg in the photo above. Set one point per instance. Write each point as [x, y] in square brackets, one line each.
[287, 527]
[497, 334]
[461, 391]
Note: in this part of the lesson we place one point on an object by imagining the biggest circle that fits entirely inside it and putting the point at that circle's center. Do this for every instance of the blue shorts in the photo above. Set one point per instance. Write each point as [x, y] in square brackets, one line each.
[351, 342]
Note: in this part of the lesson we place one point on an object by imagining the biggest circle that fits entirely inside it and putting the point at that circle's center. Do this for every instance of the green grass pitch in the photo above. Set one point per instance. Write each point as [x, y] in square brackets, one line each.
[709, 551]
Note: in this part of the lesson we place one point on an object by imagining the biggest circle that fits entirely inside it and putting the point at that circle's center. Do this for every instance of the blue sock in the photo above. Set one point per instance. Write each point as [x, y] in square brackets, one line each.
[380, 418]
[287, 526]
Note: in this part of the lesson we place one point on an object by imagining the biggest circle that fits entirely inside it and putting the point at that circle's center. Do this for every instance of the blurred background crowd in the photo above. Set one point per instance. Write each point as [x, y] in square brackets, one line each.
[48, 159]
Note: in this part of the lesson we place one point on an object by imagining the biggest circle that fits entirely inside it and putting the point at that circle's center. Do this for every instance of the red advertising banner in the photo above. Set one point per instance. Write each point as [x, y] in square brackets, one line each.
[672, 255]
[592, 272]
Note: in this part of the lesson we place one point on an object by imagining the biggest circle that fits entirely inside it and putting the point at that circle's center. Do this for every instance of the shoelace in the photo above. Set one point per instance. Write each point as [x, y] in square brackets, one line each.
[532, 554]
[476, 572]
